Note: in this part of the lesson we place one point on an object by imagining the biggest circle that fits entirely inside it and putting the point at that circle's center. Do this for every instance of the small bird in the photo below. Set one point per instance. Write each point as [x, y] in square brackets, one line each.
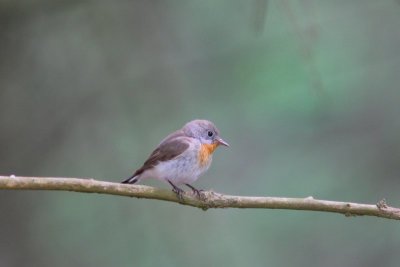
[182, 156]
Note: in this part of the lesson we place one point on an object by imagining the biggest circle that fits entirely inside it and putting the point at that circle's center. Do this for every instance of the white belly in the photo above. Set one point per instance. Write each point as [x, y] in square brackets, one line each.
[183, 170]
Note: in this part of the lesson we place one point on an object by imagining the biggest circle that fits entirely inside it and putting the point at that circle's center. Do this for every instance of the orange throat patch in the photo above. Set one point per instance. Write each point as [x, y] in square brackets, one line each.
[205, 153]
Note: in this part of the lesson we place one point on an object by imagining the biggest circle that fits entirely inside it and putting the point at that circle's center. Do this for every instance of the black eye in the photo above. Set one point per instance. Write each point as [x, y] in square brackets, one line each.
[209, 133]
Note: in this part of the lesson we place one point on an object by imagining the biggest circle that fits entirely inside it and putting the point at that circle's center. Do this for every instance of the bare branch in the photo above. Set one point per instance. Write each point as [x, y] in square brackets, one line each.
[209, 199]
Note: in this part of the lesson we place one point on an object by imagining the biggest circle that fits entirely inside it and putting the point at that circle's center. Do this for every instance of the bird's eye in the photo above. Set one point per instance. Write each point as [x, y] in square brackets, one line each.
[210, 133]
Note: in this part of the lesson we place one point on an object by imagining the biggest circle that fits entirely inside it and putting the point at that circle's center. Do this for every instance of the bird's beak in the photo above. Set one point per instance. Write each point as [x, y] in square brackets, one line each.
[220, 141]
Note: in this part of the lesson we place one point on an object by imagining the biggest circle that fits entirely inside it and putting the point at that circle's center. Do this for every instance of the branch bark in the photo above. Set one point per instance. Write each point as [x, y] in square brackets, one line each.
[208, 200]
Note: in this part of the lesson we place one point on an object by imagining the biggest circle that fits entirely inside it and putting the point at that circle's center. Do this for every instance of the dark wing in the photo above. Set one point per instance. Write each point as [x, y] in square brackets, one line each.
[169, 148]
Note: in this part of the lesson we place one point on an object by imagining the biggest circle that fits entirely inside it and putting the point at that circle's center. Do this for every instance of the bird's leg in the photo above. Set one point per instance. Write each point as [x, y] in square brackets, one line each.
[176, 190]
[196, 191]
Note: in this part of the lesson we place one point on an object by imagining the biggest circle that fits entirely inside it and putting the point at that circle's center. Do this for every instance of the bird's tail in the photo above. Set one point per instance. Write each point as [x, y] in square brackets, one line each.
[131, 180]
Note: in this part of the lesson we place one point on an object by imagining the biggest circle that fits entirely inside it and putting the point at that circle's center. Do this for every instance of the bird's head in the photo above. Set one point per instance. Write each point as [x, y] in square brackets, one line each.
[205, 131]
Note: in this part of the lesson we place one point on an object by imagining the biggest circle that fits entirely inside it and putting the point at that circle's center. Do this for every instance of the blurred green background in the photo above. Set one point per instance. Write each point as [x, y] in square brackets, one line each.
[306, 92]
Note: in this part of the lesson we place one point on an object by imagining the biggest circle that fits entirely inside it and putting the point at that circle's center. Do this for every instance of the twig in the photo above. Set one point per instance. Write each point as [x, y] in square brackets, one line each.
[208, 200]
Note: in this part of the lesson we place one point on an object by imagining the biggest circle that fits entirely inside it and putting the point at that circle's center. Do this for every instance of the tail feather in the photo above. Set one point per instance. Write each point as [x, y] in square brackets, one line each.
[131, 180]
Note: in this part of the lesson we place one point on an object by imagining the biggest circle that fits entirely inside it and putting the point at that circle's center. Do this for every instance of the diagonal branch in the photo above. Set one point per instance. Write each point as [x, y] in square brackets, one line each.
[209, 199]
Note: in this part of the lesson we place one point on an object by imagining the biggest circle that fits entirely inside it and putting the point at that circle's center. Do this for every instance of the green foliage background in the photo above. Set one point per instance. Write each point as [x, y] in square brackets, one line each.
[306, 92]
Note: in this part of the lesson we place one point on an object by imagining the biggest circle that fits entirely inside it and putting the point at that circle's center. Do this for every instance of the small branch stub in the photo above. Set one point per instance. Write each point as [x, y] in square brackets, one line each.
[382, 204]
[207, 200]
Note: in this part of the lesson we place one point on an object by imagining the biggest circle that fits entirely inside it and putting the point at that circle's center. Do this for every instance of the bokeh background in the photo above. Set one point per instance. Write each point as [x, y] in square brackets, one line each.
[306, 92]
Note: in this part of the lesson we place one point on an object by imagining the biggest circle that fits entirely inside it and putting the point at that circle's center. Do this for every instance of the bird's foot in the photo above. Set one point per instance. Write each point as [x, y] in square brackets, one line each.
[198, 192]
[178, 191]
